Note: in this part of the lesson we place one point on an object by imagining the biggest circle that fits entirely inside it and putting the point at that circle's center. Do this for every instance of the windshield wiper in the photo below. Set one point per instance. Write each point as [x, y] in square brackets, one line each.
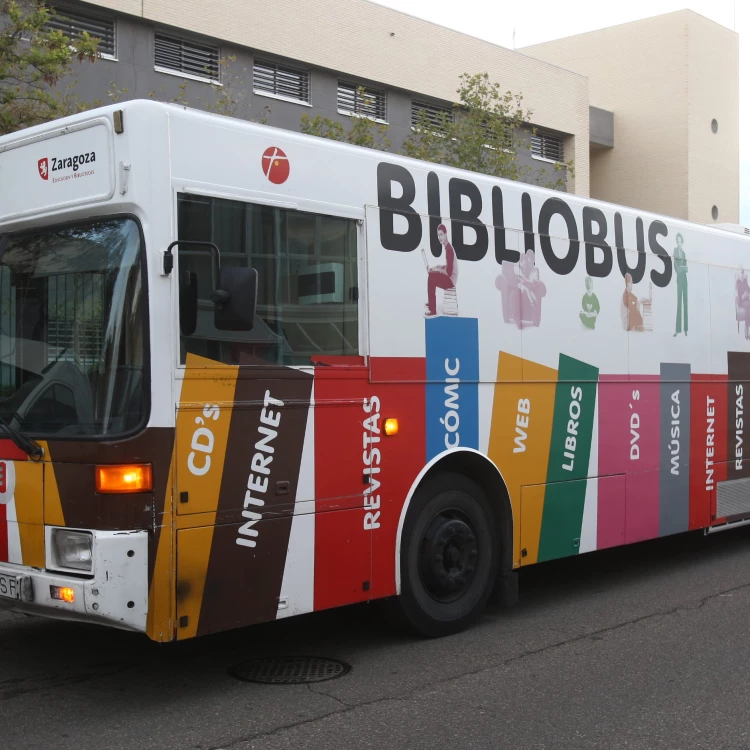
[27, 445]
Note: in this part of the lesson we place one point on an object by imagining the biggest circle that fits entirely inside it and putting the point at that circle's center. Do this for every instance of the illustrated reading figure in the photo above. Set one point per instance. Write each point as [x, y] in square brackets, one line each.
[742, 301]
[681, 270]
[442, 277]
[589, 305]
[633, 305]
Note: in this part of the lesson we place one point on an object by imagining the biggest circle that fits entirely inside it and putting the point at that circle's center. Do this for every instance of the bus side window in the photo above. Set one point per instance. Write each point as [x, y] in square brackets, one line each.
[307, 281]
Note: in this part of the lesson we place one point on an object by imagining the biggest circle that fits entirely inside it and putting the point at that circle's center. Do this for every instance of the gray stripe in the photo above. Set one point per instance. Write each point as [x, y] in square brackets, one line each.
[674, 484]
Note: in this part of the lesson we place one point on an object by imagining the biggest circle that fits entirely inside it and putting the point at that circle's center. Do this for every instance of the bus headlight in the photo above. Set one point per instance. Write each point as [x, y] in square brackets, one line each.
[73, 549]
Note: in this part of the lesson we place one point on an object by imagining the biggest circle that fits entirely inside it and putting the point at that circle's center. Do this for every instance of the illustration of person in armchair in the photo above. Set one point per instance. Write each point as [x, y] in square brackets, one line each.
[521, 291]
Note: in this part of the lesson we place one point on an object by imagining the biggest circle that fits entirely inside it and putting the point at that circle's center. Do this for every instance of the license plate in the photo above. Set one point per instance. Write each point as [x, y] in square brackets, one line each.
[10, 586]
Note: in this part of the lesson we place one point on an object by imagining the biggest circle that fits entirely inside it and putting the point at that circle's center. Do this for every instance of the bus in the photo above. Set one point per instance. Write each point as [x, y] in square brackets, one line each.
[247, 374]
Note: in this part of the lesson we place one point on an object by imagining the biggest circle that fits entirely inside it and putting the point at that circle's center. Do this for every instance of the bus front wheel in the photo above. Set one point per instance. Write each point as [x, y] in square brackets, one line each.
[449, 556]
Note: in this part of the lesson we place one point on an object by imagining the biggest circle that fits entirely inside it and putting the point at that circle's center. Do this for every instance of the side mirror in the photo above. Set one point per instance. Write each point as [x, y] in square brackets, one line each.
[188, 302]
[236, 299]
[235, 296]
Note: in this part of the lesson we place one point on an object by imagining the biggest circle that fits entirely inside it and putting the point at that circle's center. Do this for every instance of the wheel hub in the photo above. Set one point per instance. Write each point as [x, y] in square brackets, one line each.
[448, 558]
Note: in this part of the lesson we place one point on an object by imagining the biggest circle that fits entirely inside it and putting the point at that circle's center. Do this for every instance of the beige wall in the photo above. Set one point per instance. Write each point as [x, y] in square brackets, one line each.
[713, 92]
[382, 45]
[665, 78]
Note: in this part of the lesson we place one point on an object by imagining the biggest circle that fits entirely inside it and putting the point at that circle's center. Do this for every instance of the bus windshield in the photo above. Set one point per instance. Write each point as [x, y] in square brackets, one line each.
[72, 329]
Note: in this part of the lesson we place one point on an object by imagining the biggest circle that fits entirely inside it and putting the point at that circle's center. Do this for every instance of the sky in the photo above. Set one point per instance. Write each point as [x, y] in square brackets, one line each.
[519, 24]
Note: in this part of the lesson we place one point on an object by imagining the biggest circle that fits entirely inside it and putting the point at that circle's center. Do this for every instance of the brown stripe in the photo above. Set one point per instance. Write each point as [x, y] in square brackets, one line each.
[738, 366]
[161, 606]
[53, 513]
[74, 462]
[244, 583]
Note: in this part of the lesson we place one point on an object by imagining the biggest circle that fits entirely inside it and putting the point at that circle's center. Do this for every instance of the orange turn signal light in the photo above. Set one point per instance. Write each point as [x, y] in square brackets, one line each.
[117, 480]
[63, 593]
[390, 427]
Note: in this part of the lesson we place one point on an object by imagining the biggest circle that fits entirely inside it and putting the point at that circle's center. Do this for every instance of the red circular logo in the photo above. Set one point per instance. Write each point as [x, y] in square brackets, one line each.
[275, 165]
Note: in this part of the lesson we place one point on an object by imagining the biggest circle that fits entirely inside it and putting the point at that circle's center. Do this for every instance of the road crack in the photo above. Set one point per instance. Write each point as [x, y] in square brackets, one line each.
[18, 686]
[330, 695]
[408, 695]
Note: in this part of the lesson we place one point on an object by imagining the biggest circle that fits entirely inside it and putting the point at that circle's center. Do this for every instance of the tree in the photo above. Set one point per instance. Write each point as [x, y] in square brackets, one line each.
[228, 98]
[484, 133]
[34, 61]
[364, 131]
[231, 94]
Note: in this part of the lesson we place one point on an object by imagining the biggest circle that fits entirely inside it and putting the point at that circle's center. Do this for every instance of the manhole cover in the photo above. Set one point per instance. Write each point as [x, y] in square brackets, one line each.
[290, 670]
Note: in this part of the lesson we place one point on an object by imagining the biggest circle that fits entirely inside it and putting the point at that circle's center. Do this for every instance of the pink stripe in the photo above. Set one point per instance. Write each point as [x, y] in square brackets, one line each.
[614, 445]
[628, 509]
[611, 511]
[642, 482]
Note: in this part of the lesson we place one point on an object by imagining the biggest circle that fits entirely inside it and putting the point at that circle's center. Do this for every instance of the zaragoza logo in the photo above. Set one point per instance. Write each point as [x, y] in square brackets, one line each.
[43, 166]
[275, 165]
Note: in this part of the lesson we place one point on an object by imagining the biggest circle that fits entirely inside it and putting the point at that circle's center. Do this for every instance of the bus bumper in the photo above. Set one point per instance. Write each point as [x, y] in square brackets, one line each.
[115, 594]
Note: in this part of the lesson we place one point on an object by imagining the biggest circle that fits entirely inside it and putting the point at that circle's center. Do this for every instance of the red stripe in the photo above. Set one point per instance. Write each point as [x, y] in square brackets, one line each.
[9, 450]
[3, 533]
[354, 561]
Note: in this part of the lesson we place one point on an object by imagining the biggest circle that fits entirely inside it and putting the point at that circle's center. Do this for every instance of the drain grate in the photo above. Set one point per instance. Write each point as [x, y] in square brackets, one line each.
[290, 670]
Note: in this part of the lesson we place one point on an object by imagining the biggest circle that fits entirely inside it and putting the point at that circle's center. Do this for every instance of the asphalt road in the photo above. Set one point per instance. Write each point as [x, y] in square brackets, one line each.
[645, 647]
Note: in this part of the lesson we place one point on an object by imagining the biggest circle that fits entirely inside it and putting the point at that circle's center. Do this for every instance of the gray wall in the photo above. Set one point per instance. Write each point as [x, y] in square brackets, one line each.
[134, 77]
[601, 127]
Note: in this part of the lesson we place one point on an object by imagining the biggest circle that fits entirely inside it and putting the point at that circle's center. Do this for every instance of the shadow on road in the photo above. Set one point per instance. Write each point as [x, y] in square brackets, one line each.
[38, 656]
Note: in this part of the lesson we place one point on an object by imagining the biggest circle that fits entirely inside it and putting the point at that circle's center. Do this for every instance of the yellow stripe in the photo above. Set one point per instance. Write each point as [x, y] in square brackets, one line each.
[32, 545]
[194, 520]
[522, 459]
[194, 553]
[29, 511]
[206, 385]
[28, 492]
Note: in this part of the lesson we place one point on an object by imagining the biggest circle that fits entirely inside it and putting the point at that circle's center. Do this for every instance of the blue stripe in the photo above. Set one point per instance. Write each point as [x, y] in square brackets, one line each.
[452, 392]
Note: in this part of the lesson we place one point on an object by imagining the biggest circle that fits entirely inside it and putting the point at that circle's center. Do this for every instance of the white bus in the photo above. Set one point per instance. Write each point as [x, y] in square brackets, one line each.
[247, 374]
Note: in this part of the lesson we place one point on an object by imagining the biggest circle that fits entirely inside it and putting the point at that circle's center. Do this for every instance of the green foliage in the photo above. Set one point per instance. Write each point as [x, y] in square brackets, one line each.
[480, 135]
[322, 127]
[34, 61]
[115, 94]
[364, 131]
[484, 133]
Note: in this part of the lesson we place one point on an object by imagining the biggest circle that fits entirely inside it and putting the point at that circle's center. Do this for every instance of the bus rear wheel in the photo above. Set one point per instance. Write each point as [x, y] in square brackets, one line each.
[449, 556]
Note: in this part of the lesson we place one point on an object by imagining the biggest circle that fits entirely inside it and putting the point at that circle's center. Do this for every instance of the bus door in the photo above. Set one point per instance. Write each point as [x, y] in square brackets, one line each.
[269, 477]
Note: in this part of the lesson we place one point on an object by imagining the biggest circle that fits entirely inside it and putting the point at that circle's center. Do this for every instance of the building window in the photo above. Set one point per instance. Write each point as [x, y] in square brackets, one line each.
[502, 139]
[189, 58]
[433, 114]
[362, 101]
[73, 24]
[281, 81]
[545, 146]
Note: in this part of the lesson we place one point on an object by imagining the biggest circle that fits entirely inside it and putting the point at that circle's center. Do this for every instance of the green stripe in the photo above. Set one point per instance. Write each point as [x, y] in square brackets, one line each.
[565, 494]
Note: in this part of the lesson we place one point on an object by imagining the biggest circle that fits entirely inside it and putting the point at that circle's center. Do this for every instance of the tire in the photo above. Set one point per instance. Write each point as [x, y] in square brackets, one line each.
[449, 556]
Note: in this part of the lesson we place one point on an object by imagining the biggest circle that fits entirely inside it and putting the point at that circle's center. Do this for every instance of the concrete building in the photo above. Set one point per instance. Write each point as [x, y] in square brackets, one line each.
[607, 114]
[673, 85]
